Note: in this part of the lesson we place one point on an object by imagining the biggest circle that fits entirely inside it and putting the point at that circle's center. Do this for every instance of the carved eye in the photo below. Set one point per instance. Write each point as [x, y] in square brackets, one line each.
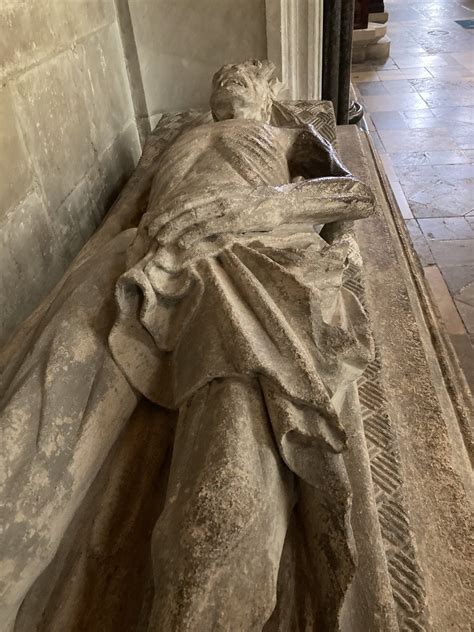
[236, 82]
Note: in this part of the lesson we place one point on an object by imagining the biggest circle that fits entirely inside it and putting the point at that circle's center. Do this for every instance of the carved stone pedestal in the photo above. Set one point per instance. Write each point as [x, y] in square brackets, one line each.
[371, 43]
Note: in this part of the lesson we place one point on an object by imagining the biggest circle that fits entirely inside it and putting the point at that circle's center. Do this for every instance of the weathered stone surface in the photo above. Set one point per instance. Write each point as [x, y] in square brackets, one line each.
[36, 29]
[264, 401]
[52, 106]
[27, 241]
[243, 444]
[16, 173]
[72, 109]
[114, 166]
[428, 416]
[75, 221]
[47, 471]
[60, 235]
[67, 128]
[108, 98]
[132, 63]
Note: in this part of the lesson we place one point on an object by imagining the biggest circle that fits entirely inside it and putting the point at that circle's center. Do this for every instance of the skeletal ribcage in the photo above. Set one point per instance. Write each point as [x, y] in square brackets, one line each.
[218, 159]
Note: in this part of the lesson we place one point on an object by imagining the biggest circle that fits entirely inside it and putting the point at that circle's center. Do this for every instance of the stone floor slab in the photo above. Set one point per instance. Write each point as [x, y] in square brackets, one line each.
[454, 172]
[430, 165]
[458, 277]
[459, 252]
[444, 302]
[390, 75]
[388, 120]
[466, 294]
[415, 114]
[422, 139]
[359, 77]
[416, 73]
[399, 86]
[372, 87]
[467, 315]
[386, 103]
[445, 228]
[420, 243]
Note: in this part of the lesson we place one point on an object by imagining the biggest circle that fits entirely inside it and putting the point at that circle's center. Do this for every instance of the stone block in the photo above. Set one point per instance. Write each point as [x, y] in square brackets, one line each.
[358, 55]
[380, 50]
[37, 245]
[27, 261]
[381, 18]
[370, 43]
[34, 30]
[373, 33]
[52, 107]
[74, 222]
[109, 101]
[115, 165]
[16, 173]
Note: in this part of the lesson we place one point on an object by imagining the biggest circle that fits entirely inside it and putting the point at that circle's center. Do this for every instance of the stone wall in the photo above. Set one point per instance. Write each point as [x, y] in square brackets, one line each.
[68, 140]
[180, 45]
[81, 83]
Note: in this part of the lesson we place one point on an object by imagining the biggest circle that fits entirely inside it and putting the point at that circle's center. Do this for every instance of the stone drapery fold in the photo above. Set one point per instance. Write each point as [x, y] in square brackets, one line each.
[270, 305]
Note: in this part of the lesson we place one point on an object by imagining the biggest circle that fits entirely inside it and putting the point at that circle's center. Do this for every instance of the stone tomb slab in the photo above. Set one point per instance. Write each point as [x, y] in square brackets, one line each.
[409, 466]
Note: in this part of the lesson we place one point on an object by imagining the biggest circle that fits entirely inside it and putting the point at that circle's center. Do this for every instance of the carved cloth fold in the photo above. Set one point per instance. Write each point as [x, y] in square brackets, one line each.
[271, 305]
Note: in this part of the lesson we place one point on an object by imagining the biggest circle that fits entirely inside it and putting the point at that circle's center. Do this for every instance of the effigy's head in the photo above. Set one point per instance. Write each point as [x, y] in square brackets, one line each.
[245, 90]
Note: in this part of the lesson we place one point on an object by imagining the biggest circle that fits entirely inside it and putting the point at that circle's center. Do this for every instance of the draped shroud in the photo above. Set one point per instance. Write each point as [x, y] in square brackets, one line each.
[269, 307]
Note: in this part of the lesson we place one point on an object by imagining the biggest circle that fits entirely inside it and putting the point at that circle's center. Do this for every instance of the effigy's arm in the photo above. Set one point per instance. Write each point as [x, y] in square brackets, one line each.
[312, 156]
[316, 201]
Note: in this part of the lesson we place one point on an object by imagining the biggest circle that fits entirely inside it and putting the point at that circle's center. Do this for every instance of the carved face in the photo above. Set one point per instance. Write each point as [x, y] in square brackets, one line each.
[243, 91]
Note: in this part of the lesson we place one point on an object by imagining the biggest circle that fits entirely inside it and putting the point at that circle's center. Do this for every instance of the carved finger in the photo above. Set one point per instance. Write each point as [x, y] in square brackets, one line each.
[178, 208]
[243, 220]
[186, 221]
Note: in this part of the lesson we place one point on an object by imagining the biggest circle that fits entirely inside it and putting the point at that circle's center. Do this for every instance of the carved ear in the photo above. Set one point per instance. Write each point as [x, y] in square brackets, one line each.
[276, 86]
[268, 70]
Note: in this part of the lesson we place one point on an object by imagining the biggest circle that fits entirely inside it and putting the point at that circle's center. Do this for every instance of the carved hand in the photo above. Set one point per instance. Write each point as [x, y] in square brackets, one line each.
[317, 201]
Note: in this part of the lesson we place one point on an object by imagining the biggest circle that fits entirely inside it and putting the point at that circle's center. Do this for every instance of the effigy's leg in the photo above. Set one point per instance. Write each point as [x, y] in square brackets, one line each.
[218, 543]
[61, 410]
[324, 548]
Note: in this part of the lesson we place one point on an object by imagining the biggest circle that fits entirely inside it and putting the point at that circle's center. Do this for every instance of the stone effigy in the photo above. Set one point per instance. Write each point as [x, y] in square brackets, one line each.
[243, 325]
[226, 305]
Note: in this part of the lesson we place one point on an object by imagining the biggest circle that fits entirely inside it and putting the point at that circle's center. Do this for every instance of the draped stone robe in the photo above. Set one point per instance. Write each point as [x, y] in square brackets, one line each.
[238, 319]
[233, 312]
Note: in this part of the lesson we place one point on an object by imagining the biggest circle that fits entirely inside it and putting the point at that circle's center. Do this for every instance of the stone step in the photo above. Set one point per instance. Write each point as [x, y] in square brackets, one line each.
[379, 50]
[372, 34]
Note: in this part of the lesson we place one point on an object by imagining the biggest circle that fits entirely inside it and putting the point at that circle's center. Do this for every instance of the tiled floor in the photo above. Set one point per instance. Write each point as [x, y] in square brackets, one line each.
[420, 113]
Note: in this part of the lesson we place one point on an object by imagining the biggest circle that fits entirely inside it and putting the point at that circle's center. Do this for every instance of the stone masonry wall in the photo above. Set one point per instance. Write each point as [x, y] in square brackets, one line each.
[82, 82]
[68, 140]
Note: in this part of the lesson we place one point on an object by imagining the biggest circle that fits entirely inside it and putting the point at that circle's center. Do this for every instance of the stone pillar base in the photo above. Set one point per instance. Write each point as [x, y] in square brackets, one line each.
[371, 43]
[380, 18]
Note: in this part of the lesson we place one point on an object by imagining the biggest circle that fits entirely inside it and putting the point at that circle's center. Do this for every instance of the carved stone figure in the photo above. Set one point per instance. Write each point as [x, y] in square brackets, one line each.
[227, 305]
